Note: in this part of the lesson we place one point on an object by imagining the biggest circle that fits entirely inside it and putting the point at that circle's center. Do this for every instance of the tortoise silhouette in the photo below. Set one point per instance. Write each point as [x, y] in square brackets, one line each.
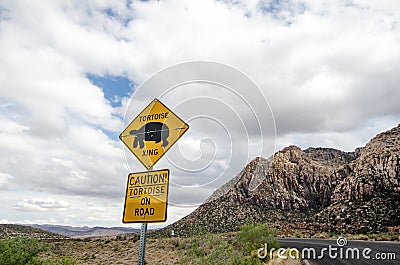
[152, 131]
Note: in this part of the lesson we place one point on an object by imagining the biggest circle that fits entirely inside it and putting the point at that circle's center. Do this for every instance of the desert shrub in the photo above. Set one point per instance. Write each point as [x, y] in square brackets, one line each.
[361, 237]
[175, 242]
[206, 250]
[239, 248]
[252, 237]
[247, 260]
[56, 260]
[16, 251]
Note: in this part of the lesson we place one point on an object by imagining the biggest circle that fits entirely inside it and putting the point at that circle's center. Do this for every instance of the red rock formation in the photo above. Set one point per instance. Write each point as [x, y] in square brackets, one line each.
[330, 189]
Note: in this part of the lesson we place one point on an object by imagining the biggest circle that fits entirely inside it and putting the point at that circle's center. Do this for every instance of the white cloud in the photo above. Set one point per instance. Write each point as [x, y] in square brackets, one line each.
[4, 221]
[38, 221]
[39, 204]
[5, 180]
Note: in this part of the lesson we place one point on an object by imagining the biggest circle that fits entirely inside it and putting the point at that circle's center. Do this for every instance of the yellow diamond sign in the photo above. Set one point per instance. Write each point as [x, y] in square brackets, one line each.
[146, 197]
[152, 133]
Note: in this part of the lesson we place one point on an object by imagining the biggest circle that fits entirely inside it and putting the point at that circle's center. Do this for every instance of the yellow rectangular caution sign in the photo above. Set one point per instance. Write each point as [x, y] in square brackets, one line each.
[146, 197]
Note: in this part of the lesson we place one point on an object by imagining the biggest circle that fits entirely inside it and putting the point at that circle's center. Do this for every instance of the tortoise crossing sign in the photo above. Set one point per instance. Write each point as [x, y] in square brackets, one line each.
[152, 133]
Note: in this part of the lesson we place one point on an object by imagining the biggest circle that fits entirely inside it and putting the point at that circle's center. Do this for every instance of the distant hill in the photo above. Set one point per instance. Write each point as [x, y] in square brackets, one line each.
[85, 231]
[13, 230]
[321, 189]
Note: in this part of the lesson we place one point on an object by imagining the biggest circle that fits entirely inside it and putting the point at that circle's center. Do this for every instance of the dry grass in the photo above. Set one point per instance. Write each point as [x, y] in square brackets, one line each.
[114, 251]
[124, 250]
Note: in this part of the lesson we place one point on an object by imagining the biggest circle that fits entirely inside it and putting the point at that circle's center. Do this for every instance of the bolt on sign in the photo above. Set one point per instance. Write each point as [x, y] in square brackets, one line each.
[146, 197]
[152, 133]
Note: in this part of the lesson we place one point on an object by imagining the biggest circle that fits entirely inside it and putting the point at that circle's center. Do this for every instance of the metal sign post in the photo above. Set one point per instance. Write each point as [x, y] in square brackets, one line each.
[142, 245]
[146, 202]
[149, 136]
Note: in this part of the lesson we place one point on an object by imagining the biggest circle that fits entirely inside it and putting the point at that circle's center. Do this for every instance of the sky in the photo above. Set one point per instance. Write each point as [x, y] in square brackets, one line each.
[249, 77]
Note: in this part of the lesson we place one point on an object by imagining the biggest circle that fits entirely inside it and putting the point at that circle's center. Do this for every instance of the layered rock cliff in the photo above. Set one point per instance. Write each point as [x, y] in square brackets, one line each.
[325, 188]
[368, 199]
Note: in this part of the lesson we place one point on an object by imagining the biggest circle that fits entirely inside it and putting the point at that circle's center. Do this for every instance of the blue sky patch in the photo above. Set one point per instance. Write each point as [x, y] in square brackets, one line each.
[283, 10]
[112, 135]
[114, 87]
[123, 20]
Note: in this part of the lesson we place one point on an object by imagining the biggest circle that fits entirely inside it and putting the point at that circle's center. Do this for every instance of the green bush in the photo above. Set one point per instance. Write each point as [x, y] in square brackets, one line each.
[246, 261]
[219, 249]
[54, 260]
[19, 251]
[25, 251]
[252, 237]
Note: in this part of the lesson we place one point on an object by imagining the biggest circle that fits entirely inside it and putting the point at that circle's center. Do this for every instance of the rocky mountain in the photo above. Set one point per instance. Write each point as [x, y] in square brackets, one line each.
[320, 188]
[368, 199]
[85, 231]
